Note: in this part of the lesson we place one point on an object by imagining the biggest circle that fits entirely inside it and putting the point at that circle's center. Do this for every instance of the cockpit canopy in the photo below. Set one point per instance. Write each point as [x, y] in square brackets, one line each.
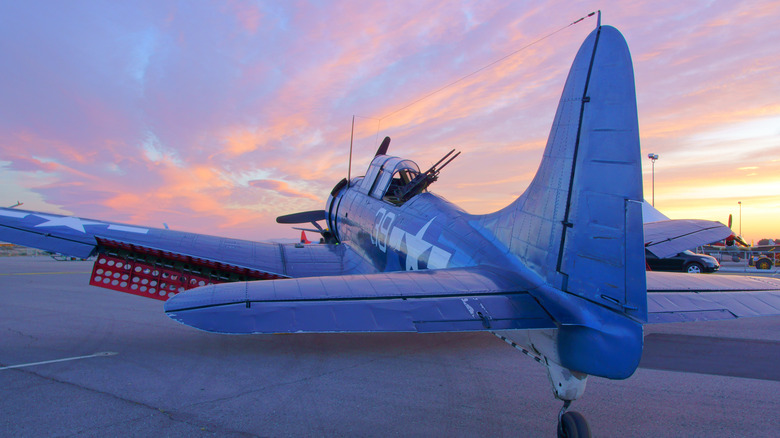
[387, 174]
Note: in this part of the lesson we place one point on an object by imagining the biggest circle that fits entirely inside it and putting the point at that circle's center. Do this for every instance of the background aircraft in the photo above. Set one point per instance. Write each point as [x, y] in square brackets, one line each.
[732, 241]
[666, 237]
[559, 273]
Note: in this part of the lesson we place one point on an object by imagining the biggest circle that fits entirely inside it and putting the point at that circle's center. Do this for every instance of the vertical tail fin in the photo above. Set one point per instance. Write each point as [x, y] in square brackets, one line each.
[579, 223]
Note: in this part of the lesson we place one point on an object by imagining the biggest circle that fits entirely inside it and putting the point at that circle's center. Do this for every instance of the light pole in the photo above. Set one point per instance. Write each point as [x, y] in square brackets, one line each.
[740, 218]
[652, 158]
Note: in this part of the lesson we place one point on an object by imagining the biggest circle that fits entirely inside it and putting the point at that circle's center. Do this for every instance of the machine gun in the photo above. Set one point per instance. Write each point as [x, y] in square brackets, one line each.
[423, 180]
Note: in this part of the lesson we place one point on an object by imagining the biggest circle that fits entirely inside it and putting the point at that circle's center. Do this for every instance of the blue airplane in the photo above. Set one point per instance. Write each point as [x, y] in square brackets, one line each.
[559, 273]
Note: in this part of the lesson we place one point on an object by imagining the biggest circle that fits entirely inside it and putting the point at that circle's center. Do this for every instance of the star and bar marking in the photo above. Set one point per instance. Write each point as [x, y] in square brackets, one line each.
[72, 222]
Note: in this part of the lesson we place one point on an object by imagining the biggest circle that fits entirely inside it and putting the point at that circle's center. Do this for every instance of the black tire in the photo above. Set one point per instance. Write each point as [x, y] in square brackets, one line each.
[573, 425]
[694, 268]
[764, 264]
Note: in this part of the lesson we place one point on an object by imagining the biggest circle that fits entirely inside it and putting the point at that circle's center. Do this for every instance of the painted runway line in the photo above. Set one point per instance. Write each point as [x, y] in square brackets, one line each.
[100, 354]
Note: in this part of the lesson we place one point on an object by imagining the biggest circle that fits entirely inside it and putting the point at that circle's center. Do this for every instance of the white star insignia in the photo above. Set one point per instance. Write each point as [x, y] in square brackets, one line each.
[73, 223]
[416, 246]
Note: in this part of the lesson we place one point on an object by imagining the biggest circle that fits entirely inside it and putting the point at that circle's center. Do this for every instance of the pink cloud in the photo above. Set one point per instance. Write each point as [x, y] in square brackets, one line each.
[249, 15]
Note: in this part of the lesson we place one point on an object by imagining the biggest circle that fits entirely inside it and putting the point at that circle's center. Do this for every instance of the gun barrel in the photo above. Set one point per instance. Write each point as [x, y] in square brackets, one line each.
[442, 159]
[448, 161]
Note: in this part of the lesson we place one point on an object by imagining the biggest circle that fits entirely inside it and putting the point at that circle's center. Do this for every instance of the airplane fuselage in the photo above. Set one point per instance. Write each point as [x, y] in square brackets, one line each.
[426, 232]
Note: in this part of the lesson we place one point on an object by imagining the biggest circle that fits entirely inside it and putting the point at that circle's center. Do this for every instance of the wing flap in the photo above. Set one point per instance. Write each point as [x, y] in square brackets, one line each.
[417, 301]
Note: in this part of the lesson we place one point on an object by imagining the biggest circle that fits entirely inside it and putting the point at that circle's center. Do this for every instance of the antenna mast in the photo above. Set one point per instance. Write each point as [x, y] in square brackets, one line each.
[351, 137]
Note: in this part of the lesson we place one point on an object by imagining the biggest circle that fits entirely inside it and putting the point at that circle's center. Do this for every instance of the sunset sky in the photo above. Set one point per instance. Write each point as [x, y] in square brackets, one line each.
[216, 117]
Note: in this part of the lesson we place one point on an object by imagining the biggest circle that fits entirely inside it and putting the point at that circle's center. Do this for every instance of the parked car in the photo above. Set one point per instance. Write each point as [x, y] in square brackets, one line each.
[686, 261]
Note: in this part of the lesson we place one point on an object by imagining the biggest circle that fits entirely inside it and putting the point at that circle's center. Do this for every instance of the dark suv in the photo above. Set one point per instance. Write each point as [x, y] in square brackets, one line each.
[685, 261]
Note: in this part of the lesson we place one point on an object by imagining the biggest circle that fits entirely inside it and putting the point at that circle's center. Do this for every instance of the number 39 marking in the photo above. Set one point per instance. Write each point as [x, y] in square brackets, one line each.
[382, 225]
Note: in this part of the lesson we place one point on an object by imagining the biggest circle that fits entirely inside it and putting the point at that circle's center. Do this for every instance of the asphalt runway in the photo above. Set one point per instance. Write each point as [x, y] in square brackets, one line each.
[165, 379]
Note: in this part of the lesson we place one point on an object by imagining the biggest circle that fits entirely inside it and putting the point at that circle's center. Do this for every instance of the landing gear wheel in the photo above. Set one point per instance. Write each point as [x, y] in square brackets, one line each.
[573, 425]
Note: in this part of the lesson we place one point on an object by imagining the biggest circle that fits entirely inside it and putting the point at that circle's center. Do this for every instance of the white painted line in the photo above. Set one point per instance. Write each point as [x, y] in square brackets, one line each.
[103, 353]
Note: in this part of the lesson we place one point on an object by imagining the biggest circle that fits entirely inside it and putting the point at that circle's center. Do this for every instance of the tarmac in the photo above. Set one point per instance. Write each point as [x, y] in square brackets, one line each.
[77, 360]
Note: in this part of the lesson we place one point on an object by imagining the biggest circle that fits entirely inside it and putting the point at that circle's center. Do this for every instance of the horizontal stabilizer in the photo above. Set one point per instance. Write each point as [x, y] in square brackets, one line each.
[678, 297]
[461, 299]
[302, 217]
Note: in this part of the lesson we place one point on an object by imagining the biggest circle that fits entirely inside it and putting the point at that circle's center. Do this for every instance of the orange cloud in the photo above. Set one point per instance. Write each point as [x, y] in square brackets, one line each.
[282, 188]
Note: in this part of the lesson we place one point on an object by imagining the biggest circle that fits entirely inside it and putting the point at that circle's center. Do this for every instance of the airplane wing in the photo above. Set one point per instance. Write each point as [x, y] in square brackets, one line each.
[127, 252]
[456, 299]
[678, 297]
[665, 238]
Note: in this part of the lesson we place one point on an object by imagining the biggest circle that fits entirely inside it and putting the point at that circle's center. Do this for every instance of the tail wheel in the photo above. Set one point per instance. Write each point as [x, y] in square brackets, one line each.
[694, 268]
[573, 425]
